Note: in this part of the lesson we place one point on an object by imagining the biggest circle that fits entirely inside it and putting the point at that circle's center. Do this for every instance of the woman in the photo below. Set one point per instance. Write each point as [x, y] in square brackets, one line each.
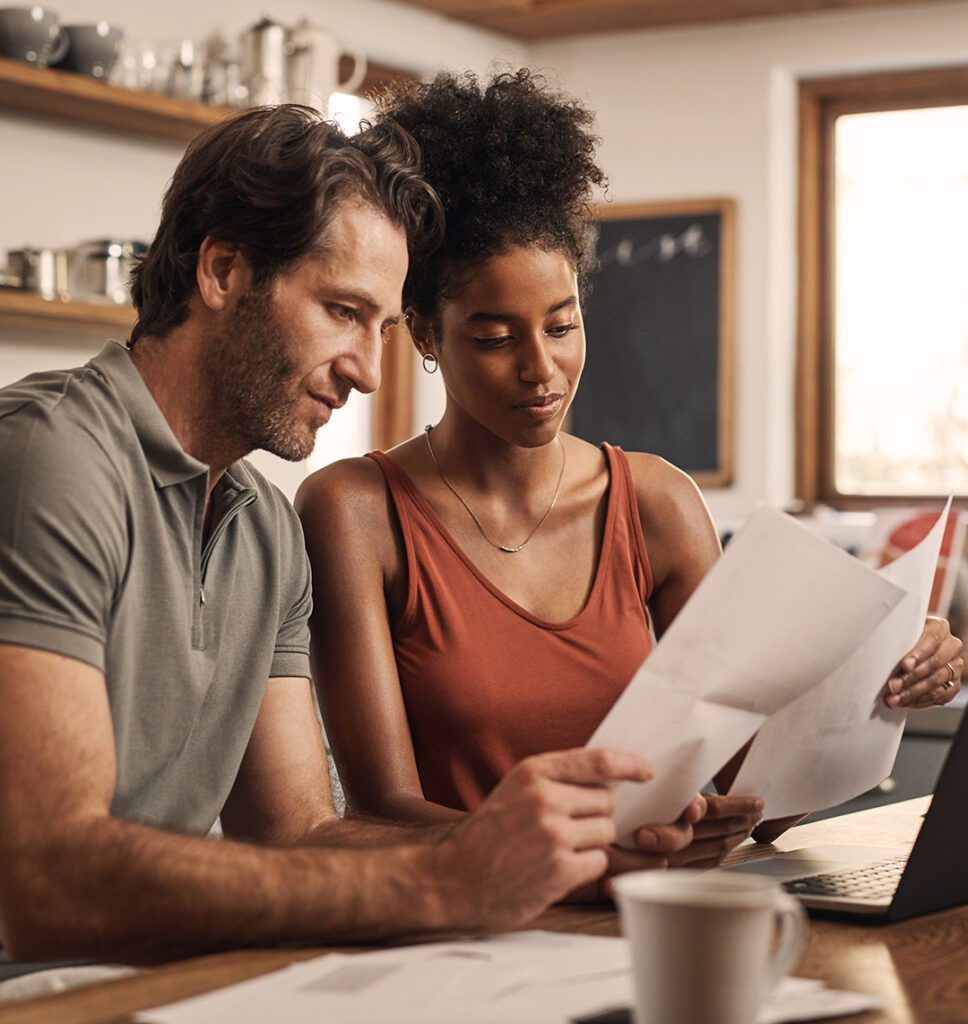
[486, 589]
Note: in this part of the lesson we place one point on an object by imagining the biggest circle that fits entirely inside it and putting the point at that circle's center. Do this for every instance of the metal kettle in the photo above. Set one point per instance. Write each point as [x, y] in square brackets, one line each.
[264, 48]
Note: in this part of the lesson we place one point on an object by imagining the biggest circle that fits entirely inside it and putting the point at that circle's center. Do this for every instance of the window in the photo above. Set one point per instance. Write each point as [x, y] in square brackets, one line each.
[883, 350]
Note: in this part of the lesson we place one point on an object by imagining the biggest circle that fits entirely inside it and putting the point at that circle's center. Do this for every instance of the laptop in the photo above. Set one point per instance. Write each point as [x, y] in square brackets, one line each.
[888, 884]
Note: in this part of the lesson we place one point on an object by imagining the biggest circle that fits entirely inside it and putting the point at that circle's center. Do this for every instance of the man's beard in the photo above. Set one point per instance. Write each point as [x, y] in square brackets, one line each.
[254, 382]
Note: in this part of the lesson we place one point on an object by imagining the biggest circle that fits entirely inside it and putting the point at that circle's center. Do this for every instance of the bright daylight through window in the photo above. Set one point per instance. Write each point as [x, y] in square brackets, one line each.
[901, 307]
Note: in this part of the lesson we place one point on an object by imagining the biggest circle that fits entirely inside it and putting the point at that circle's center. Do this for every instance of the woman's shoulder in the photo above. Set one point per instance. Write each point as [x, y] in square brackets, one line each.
[348, 480]
[652, 470]
[664, 492]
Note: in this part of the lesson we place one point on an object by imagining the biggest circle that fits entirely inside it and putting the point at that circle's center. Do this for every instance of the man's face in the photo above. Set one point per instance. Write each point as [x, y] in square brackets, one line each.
[288, 356]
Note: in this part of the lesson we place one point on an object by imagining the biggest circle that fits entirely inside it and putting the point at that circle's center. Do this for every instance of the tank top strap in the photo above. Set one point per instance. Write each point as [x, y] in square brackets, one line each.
[623, 487]
[407, 502]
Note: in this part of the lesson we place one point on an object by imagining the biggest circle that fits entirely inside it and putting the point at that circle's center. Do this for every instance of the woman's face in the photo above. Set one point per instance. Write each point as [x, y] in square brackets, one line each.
[512, 344]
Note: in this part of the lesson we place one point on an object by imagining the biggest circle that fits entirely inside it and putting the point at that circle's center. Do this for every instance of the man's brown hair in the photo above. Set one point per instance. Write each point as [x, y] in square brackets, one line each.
[270, 180]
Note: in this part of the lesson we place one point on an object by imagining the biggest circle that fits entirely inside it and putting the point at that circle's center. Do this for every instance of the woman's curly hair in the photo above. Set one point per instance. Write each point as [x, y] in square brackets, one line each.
[513, 164]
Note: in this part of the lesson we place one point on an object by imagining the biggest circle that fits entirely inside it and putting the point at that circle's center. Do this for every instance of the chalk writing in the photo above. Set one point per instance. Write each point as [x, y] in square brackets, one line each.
[661, 249]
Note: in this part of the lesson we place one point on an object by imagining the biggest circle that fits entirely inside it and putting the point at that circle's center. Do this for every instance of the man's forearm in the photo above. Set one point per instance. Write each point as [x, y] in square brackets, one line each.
[118, 891]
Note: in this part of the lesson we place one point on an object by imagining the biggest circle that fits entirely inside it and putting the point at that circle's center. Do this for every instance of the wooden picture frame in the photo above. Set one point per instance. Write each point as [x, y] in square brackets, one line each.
[659, 328]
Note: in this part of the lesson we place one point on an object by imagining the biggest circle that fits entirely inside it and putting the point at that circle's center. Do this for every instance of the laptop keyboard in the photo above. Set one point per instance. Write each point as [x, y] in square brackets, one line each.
[872, 881]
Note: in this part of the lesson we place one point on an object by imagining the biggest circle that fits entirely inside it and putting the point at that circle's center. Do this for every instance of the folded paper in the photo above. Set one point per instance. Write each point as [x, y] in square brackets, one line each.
[774, 617]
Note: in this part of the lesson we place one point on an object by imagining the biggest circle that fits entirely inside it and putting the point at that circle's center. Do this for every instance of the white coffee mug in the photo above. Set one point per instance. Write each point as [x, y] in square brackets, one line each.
[706, 947]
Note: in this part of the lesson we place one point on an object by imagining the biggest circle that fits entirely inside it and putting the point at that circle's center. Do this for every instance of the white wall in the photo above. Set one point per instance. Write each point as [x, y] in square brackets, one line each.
[683, 113]
[711, 111]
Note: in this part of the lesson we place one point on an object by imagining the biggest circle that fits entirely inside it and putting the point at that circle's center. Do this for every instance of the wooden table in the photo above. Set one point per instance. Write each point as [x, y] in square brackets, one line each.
[919, 967]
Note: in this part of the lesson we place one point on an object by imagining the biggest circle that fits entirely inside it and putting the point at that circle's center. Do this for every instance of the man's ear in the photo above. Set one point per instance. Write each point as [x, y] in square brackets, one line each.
[223, 273]
[421, 332]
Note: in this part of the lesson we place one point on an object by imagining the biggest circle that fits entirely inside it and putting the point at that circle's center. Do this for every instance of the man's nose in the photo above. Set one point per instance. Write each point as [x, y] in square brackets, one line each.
[368, 358]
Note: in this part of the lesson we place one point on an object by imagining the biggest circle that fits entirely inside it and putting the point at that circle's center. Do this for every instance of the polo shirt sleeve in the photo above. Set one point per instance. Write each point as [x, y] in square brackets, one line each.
[62, 536]
[291, 654]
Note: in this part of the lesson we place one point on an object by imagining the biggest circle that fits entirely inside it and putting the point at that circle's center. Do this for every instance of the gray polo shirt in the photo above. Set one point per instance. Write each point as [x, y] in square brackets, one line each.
[101, 559]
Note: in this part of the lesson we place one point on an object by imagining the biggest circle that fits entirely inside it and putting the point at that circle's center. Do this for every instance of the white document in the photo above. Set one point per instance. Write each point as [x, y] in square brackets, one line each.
[532, 977]
[839, 740]
[522, 978]
[773, 618]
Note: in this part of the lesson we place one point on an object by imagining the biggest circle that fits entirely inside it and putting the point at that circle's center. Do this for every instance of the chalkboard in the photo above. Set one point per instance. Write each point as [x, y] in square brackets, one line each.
[658, 323]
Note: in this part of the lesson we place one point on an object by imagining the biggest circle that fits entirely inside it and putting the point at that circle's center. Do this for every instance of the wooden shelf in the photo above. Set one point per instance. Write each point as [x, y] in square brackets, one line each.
[27, 309]
[67, 96]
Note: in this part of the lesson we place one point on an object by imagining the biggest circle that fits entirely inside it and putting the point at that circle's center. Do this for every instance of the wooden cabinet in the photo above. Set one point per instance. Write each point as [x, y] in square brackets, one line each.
[79, 99]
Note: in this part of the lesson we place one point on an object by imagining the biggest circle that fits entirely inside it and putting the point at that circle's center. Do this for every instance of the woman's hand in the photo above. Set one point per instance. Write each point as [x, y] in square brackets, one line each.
[727, 822]
[705, 832]
[930, 673]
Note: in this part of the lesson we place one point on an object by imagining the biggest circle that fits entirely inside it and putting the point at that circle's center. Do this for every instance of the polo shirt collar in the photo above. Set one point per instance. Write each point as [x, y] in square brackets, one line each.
[168, 461]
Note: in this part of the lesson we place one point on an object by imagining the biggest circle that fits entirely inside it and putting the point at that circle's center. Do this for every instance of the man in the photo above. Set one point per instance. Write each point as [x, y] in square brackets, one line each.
[154, 595]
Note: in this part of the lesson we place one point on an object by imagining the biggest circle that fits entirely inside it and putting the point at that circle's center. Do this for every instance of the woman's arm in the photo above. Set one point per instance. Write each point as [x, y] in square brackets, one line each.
[359, 565]
[680, 537]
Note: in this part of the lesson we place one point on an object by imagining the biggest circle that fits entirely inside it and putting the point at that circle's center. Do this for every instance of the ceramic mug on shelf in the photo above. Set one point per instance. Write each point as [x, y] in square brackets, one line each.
[92, 50]
[32, 34]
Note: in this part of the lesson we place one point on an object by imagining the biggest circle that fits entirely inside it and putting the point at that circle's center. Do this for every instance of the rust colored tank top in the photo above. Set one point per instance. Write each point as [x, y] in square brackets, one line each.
[487, 683]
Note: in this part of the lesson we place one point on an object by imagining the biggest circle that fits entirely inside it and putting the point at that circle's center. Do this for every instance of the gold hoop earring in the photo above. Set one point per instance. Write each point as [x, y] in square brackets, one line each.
[429, 362]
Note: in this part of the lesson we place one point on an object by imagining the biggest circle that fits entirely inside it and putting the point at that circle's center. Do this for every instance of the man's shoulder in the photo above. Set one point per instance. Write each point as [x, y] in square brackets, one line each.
[70, 407]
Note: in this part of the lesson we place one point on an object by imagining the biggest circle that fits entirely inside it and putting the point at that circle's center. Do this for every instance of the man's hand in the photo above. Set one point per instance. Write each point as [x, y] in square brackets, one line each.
[541, 833]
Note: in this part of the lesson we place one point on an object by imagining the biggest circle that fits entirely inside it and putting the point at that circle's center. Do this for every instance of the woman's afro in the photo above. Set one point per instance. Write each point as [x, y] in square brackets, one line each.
[513, 164]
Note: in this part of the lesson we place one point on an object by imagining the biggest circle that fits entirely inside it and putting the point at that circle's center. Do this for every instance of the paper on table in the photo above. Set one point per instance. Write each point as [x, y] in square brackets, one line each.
[538, 977]
[773, 617]
[839, 740]
[528, 977]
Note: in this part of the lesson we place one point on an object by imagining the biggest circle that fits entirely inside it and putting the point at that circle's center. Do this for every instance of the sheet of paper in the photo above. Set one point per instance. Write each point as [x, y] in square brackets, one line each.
[776, 614]
[534, 977]
[839, 740]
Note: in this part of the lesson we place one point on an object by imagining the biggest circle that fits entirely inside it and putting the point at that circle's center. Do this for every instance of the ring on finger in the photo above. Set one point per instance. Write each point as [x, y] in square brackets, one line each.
[951, 673]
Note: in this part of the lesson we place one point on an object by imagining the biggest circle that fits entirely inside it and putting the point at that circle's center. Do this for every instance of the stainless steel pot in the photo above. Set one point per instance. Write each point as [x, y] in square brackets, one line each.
[43, 271]
[98, 271]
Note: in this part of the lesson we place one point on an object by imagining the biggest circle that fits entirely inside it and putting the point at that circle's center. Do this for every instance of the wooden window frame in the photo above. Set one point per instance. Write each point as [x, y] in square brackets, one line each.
[821, 102]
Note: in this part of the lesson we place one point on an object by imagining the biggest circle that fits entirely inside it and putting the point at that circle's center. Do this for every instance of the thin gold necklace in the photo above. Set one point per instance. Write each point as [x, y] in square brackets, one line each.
[477, 522]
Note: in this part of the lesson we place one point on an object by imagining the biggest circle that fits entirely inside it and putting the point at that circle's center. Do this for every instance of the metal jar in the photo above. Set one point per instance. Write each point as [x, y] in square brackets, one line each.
[98, 271]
